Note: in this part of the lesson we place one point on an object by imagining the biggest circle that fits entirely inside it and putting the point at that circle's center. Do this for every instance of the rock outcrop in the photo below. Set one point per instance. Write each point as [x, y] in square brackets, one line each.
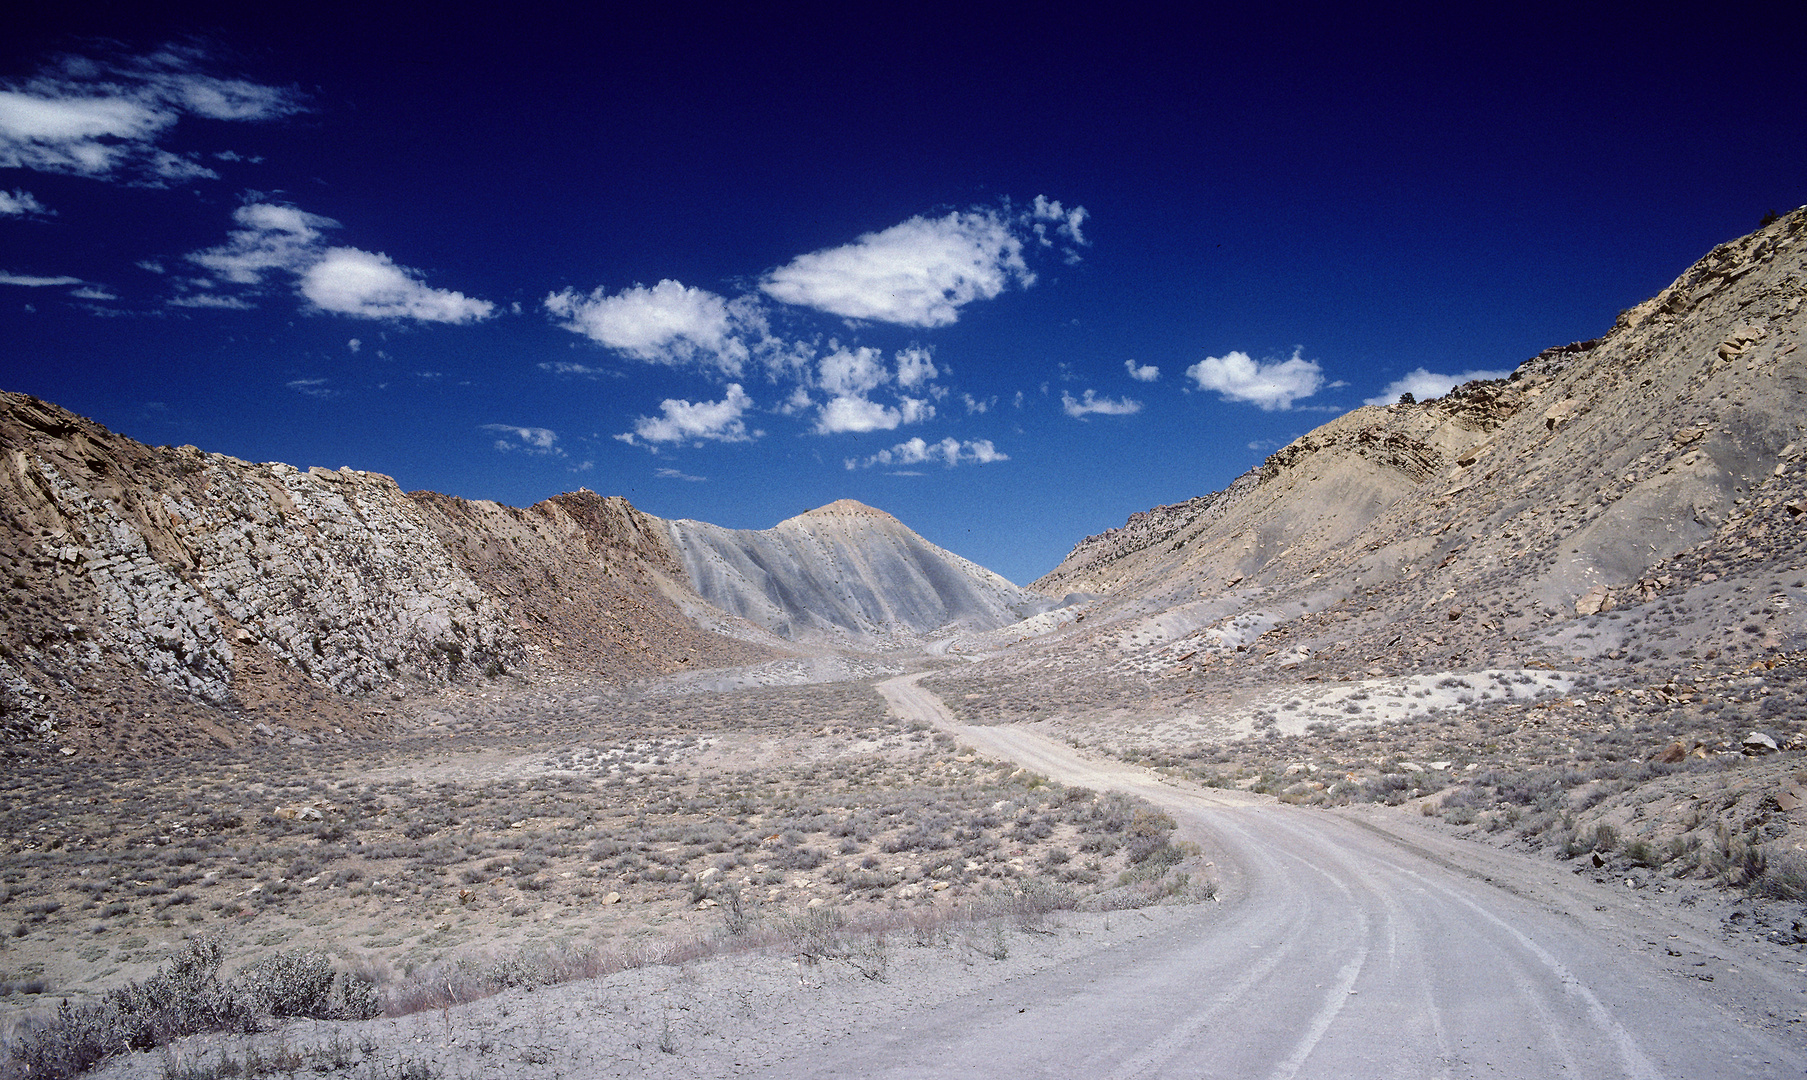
[162, 596]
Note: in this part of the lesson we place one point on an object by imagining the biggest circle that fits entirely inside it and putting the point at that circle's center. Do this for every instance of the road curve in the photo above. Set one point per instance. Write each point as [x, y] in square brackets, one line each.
[1337, 953]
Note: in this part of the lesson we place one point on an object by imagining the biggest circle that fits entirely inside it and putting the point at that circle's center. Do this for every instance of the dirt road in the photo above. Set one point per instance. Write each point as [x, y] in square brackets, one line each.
[1342, 950]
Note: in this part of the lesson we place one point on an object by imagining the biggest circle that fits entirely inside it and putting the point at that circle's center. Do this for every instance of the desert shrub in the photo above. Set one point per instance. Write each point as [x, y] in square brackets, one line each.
[1783, 877]
[797, 858]
[74, 1041]
[1147, 834]
[303, 984]
[814, 933]
[186, 997]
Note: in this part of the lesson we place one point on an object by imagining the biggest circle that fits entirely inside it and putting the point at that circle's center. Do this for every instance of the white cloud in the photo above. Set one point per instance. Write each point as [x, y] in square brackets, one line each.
[343, 280]
[856, 414]
[1424, 385]
[918, 273]
[1066, 223]
[1269, 384]
[666, 324]
[19, 203]
[797, 404]
[370, 286]
[92, 292]
[354, 345]
[1141, 372]
[852, 372]
[539, 441]
[105, 119]
[677, 474]
[685, 421]
[1089, 403]
[976, 405]
[948, 452]
[847, 376]
[36, 281]
[272, 237]
[915, 367]
[915, 410]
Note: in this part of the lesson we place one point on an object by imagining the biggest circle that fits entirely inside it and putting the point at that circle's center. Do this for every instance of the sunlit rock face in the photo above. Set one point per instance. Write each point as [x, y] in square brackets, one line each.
[846, 573]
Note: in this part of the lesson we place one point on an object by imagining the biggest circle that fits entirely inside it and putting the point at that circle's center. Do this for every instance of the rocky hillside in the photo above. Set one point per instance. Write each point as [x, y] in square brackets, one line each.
[847, 575]
[157, 597]
[160, 596]
[1499, 522]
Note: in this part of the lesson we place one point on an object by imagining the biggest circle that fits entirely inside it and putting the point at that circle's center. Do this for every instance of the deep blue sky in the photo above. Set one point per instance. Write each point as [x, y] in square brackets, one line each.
[1284, 213]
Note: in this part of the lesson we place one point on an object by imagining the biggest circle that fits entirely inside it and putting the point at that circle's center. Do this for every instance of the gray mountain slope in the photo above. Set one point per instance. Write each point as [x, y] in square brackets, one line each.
[846, 574]
[1666, 455]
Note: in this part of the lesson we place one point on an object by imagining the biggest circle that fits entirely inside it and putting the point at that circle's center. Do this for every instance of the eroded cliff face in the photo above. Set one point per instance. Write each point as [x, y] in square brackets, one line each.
[160, 596]
[1465, 522]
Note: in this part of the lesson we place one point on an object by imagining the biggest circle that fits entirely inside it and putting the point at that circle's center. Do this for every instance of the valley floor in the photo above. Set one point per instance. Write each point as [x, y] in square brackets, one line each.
[1358, 941]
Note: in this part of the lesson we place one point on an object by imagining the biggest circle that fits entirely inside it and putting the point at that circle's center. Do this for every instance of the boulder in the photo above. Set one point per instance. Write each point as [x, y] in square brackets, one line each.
[1757, 743]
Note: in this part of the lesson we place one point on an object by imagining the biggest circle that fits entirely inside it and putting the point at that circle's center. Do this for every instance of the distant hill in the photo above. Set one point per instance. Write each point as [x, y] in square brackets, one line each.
[847, 574]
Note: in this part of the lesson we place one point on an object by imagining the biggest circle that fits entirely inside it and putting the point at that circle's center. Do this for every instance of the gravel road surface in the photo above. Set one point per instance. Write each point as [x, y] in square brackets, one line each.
[1345, 948]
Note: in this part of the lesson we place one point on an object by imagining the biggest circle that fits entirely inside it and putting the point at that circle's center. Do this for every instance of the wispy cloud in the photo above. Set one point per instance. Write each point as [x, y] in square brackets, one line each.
[1269, 384]
[37, 281]
[315, 388]
[1424, 385]
[344, 280]
[1090, 403]
[1141, 372]
[209, 300]
[105, 119]
[565, 367]
[948, 452]
[669, 473]
[1045, 211]
[538, 441]
[20, 203]
[696, 422]
[92, 292]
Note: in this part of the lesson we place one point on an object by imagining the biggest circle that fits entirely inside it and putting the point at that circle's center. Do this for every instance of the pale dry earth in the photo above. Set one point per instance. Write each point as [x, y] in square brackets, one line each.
[1345, 944]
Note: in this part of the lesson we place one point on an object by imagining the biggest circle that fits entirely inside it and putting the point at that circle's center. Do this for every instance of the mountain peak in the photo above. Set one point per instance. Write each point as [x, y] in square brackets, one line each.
[846, 508]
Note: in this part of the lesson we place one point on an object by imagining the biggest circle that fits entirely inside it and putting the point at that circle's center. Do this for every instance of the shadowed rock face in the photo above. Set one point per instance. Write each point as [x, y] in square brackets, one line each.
[846, 573]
